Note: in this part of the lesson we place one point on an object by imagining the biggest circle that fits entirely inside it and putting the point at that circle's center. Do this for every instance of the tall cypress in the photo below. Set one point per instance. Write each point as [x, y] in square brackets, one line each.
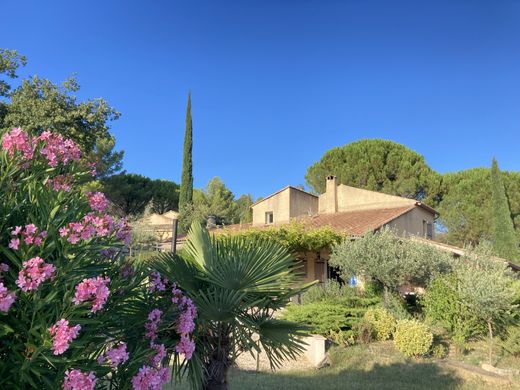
[186, 190]
[505, 241]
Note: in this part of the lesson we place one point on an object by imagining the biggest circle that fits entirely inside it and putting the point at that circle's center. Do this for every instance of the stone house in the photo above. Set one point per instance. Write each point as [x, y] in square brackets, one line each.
[348, 210]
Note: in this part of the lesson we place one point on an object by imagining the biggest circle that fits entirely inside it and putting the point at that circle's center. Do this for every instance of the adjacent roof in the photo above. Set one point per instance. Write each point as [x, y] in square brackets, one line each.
[283, 189]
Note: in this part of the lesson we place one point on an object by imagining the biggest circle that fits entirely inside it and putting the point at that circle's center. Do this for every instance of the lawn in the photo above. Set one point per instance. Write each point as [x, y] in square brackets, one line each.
[377, 366]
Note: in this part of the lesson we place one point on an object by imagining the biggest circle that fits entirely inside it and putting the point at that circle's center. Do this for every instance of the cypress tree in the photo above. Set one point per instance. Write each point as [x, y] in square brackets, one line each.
[505, 242]
[186, 190]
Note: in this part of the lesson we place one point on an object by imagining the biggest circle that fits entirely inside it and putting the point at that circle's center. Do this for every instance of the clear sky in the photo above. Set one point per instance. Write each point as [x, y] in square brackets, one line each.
[276, 83]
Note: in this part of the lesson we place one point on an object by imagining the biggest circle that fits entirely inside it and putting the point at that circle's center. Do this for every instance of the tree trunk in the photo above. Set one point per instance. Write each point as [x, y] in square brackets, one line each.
[218, 366]
[385, 296]
[490, 328]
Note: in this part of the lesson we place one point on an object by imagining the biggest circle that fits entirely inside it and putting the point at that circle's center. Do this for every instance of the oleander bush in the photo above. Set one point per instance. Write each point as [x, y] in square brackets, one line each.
[382, 322]
[412, 338]
[74, 312]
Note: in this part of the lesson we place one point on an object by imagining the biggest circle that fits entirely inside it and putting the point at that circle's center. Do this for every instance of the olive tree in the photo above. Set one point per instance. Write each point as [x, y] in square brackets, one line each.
[385, 257]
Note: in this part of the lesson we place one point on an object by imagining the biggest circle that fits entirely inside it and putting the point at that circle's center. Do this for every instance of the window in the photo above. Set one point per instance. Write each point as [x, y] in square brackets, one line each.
[269, 219]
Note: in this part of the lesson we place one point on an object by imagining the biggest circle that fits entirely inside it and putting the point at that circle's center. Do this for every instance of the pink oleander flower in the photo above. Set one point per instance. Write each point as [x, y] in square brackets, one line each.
[57, 149]
[18, 141]
[159, 355]
[34, 272]
[7, 298]
[97, 201]
[93, 289]
[89, 227]
[152, 324]
[150, 378]
[16, 230]
[14, 243]
[157, 283]
[78, 380]
[115, 356]
[62, 335]
[4, 267]
[186, 322]
[185, 346]
[29, 234]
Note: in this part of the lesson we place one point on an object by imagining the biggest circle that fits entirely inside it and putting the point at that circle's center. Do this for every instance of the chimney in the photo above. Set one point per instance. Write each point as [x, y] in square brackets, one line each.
[331, 198]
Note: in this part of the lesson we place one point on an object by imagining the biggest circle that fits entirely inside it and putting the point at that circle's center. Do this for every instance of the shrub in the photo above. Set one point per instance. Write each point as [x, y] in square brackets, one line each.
[72, 308]
[412, 338]
[330, 290]
[512, 342]
[364, 332]
[382, 322]
[439, 351]
[328, 318]
[443, 305]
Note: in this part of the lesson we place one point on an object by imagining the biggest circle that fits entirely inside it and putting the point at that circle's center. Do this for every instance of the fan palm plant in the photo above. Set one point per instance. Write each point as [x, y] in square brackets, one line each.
[237, 284]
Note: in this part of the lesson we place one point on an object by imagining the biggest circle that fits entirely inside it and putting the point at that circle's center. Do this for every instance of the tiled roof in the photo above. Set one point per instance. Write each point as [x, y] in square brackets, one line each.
[356, 222]
[351, 223]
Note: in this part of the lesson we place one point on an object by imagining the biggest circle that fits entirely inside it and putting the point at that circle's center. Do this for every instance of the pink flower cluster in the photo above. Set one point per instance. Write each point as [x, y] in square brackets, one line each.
[57, 149]
[186, 346]
[60, 183]
[115, 356]
[154, 317]
[157, 283]
[29, 234]
[160, 354]
[90, 226]
[150, 378]
[97, 201]
[18, 140]
[186, 323]
[62, 335]
[78, 380]
[93, 289]
[34, 272]
[7, 298]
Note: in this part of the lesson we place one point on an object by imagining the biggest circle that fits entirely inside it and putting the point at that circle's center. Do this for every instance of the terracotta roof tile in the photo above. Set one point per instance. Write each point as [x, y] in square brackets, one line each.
[358, 222]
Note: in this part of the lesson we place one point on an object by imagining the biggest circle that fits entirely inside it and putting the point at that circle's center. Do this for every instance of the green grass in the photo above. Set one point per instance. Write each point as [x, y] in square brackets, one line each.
[376, 366]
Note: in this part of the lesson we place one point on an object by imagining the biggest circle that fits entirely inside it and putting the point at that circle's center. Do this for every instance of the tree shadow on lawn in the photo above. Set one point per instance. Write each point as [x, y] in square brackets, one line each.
[393, 376]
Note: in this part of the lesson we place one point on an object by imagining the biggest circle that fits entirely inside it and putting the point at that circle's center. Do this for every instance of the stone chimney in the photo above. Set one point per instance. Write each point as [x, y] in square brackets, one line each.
[331, 198]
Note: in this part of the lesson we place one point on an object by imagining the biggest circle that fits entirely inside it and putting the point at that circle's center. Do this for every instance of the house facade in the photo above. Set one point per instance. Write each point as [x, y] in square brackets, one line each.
[348, 210]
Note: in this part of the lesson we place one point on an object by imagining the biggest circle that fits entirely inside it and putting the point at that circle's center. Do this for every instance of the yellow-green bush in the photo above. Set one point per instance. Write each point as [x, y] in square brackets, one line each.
[382, 322]
[412, 338]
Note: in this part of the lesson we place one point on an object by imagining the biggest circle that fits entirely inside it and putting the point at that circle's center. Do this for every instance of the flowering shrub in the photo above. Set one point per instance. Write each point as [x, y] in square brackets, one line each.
[75, 313]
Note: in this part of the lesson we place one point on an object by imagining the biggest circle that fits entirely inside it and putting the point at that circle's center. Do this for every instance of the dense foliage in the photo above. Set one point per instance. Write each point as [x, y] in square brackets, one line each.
[237, 284]
[74, 313]
[382, 322]
[390, 260]
[296, 237]
[412, 338]
[377, 165]
[443, 305]
[333, 313]
[505, 239]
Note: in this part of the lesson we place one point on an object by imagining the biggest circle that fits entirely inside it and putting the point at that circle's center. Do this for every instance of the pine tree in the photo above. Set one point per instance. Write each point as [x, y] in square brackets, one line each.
[505, 242]
[186, 190]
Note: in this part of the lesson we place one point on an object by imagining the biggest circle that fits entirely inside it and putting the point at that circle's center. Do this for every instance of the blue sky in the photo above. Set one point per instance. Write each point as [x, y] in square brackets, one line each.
[277, 83]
